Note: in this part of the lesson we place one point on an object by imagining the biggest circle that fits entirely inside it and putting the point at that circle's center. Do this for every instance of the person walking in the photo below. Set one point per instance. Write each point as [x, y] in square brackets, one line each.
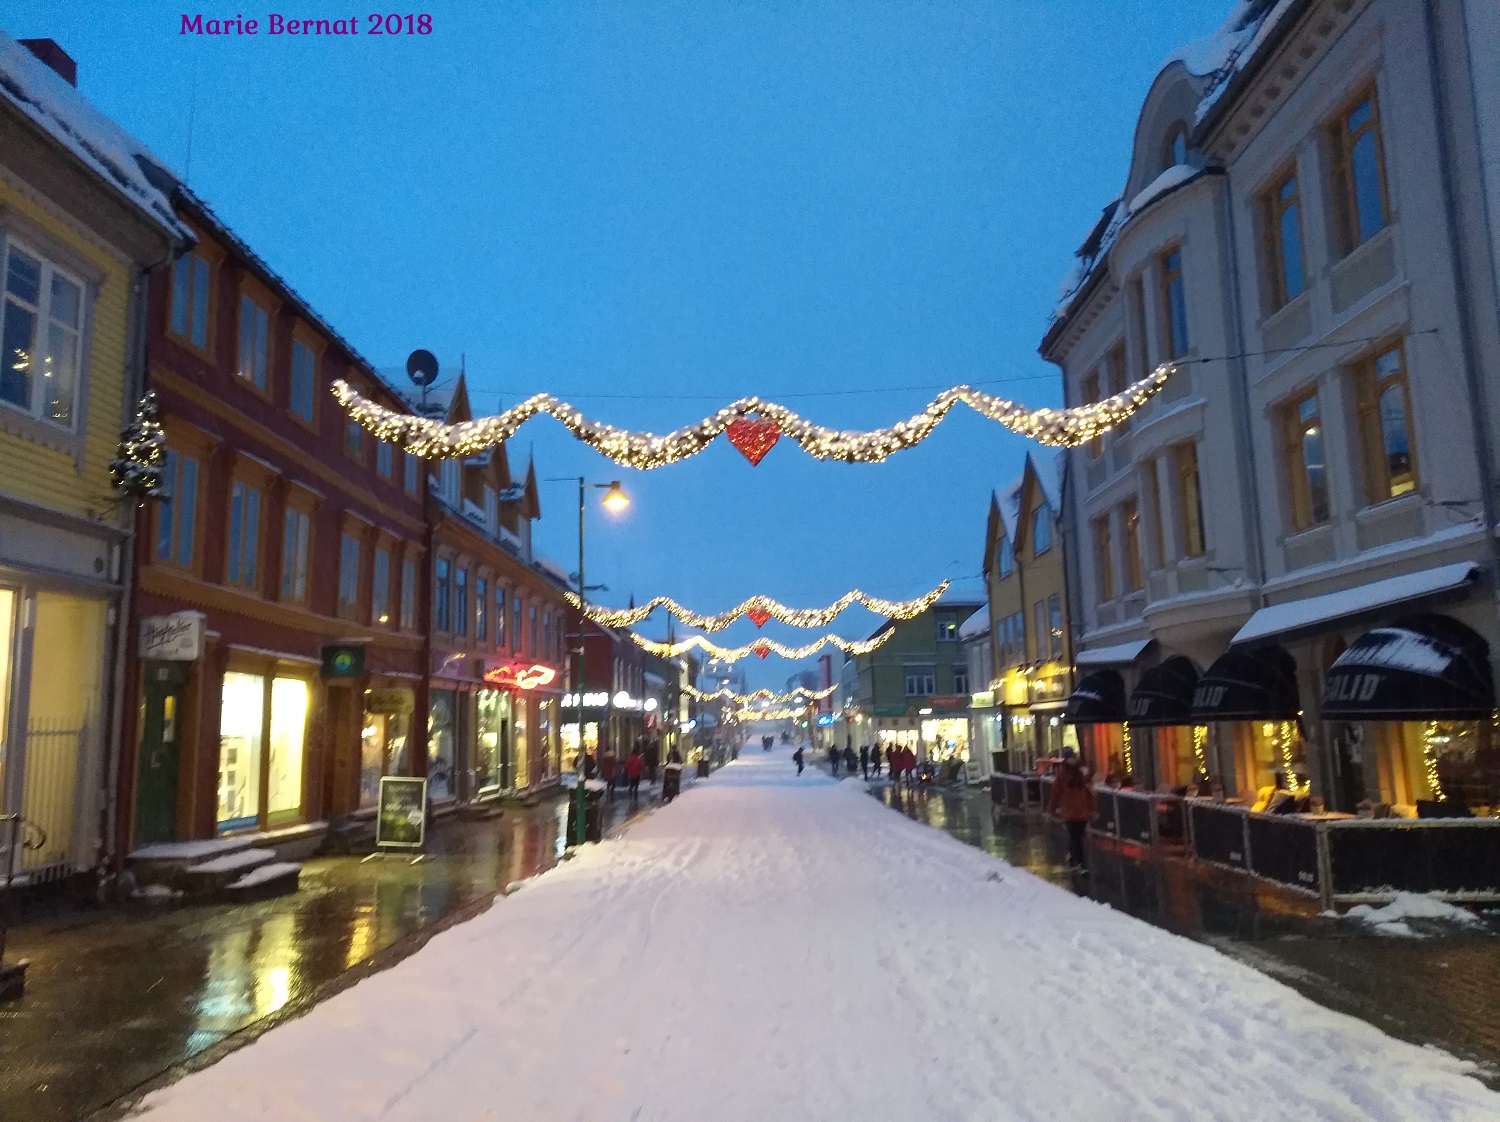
[797, 759]
[908, 764]
[864, 760]
[851, 761]
[1073, 801]
[874, 759]
[653, 759]
[609, 768]
[635, 767]
[833, 760]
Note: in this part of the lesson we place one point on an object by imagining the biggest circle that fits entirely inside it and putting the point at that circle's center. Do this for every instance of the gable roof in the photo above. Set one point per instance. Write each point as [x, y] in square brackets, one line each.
[118, 158]
[1048, 468]
[1005, 504]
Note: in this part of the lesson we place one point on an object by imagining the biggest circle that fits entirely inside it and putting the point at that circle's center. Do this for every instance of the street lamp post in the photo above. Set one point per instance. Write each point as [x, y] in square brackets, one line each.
[614, 500]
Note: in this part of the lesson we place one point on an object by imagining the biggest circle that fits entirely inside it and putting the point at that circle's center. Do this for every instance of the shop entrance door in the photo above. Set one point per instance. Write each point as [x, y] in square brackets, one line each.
[161, 723]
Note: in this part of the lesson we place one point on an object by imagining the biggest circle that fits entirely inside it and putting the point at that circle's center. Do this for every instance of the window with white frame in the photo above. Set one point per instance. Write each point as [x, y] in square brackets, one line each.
[380, 588]
[177, 515]
[408, 594]
[348, 576]
[255, 330]
[294, 543]
[921, 680]
[960, 677]
[304, 375]
[41, 338]
[242, 565]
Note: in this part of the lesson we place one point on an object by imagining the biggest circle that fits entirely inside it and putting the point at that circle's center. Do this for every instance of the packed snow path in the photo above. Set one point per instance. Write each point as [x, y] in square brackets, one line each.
[770, 947]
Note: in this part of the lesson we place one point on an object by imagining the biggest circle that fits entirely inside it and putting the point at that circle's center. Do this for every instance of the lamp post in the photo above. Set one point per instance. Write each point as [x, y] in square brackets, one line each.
[614, 501]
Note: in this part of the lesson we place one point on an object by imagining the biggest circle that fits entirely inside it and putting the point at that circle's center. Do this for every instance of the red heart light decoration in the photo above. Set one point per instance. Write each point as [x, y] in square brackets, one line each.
[753, 438]
[762, 649]
[758, 616]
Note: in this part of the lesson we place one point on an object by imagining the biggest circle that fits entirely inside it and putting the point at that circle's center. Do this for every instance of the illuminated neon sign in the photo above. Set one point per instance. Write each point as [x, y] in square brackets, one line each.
[520, 675]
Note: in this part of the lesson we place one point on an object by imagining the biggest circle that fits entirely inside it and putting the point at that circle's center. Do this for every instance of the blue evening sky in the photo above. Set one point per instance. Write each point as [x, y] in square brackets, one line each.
[654, 208]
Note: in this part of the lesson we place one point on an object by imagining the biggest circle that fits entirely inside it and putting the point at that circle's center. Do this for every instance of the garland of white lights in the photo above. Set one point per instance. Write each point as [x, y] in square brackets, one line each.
[761, 647]
[727, 694]
[748, 715]
[429, 438]
[760, 609]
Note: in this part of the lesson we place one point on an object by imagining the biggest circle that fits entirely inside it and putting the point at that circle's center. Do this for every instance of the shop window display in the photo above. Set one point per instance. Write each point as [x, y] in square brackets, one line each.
[241, 734]
[384, 739]
[289, 705]
[492, 720]
[521, 748]
[441, 731]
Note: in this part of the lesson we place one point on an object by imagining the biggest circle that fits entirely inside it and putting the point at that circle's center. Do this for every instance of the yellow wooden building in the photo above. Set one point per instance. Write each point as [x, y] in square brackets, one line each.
[83, 217]
[1026, 580]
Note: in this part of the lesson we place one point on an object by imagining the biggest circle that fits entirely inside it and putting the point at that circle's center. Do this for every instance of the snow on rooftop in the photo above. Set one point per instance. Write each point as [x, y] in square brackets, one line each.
[1173, 177]
[1217, 58]
[70, 118]
[976, 625]
[1008, 501]
[1400, 649]
[1296, 615]
[556, 570]
[1047, 467]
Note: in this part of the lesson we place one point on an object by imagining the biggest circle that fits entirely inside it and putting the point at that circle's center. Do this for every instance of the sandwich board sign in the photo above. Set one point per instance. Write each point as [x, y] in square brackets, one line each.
[401, 820]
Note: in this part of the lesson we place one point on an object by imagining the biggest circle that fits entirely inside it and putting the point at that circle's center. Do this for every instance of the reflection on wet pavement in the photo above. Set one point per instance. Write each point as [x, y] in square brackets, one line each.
[115, 997]
[1443, 989]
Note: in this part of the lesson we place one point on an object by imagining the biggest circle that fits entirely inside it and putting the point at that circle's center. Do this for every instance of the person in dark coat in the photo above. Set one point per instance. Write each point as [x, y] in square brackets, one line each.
[1073, 801]
[874, 759]
[833, 760]
[864, 760]
[851, 761]
[635, 767]
[653, 759]
[797, 759]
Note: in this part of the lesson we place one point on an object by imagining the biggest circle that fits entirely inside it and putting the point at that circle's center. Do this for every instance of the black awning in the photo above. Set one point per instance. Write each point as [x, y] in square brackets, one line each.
[1165, 695]
[1098, 699]
[1426, 668]
[1254, 684]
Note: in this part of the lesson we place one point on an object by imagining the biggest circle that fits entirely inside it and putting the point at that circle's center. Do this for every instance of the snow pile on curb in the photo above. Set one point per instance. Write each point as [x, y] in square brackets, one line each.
[1390, 919]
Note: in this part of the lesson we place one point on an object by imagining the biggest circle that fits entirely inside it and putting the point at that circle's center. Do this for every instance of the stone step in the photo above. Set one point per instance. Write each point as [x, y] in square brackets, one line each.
[204, 878]
[279, 878]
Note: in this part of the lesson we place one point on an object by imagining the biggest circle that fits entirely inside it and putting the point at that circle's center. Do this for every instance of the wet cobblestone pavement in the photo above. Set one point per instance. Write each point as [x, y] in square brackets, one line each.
[1442, 988]
[116, 997]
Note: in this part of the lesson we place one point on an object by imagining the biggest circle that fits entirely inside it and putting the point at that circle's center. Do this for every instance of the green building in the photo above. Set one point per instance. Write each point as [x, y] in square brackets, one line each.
[913, 689]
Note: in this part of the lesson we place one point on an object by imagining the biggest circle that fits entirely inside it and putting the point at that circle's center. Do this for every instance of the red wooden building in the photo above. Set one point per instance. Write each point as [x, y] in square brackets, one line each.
[282, 602]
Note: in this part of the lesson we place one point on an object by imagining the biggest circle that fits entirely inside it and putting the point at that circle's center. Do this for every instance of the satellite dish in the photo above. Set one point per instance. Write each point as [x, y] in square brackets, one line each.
[422, 368]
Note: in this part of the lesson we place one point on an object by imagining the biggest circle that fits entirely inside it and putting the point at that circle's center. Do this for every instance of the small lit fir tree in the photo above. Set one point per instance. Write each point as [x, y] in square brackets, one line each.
[136, 470]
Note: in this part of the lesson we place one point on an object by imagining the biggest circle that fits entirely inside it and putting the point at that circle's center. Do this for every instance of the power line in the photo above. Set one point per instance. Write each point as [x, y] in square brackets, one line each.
[865, 390]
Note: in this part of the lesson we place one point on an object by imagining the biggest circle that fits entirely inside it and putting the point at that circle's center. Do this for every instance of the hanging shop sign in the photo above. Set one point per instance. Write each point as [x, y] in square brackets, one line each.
[825, 719]
[344, 660]
[390, 702]
[402, 820]
[175, 638]
[520, 675]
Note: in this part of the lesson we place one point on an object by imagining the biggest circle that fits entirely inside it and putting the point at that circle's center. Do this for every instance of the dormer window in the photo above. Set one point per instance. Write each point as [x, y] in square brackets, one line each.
[1174, 151]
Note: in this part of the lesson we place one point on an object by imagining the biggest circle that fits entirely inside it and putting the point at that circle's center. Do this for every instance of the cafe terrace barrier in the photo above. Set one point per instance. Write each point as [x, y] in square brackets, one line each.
[1012, 792]
[1352, 860]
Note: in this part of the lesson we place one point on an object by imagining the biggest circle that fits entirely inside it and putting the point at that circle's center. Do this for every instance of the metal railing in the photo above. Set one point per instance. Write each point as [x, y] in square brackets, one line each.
[53, 801]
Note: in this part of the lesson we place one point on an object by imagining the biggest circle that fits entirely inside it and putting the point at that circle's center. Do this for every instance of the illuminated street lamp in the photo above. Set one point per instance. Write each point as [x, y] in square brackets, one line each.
[615, 500]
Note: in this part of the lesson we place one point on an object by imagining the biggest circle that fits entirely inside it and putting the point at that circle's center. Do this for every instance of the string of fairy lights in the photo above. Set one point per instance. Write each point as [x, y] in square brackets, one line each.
[760, 609]
[760, 648]
[762, 422]
[727, 694]
[786, 714]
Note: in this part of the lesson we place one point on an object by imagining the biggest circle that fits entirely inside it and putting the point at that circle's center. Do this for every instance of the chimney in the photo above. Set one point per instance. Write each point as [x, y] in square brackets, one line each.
[54, 56]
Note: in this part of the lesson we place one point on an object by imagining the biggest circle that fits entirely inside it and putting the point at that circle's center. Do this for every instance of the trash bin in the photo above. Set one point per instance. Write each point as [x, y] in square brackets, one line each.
[704, 764]
[671, 782]
[593, 813]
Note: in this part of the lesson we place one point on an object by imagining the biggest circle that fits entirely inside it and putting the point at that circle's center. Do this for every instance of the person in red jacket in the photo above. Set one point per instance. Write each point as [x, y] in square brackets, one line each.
[635, 767]
[1073, 801]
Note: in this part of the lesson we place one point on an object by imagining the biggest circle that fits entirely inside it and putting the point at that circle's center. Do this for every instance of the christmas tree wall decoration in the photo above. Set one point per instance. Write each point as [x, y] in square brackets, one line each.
[137, 469]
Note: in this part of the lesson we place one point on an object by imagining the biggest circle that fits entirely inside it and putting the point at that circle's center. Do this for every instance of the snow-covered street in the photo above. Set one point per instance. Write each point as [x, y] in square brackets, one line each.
[779, 947]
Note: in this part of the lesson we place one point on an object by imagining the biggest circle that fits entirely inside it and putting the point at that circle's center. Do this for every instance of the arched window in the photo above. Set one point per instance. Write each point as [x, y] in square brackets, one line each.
[1174, 149]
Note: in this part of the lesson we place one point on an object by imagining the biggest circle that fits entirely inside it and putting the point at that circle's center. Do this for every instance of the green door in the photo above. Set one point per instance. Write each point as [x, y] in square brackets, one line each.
[156, 790]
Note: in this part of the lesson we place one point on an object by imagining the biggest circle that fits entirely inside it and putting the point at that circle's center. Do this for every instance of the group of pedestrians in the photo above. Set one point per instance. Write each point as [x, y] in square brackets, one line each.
[898, 760]
[642, 763]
